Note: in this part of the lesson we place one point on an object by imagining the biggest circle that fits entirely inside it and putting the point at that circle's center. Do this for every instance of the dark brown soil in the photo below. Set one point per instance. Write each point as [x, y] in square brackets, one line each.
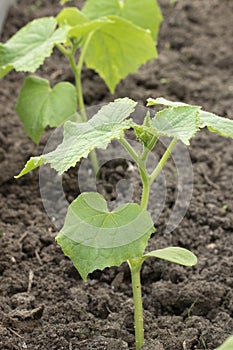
[43, 301]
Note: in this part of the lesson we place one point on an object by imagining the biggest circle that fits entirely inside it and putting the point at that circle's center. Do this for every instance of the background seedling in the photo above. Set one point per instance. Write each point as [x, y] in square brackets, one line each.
[112, 37]
[92, 236]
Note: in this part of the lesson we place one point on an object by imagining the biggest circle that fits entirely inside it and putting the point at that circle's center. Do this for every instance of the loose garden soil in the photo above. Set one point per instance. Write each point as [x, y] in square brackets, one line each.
[44, 304]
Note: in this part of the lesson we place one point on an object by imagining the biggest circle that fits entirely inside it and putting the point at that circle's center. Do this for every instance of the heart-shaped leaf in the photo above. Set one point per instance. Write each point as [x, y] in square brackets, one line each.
[176, 255]
[40, 106]
[94, 238]
[29, 47]
[81, 138]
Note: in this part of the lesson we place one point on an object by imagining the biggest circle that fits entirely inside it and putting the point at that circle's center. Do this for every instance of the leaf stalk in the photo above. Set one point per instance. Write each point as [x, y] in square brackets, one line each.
[162, 161]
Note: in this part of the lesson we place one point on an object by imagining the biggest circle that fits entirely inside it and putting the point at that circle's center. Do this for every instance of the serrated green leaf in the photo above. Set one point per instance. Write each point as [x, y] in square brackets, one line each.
[215, 123]
[40, 106]
[117, 49]
[81, 138]
[94, 238]
[176, 255]
[32, 163]
[180, 122]
[145, 14]
[71, 16]
[227, 345]
[29, 47]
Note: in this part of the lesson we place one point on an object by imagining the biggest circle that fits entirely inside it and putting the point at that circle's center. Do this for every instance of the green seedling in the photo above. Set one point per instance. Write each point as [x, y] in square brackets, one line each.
[191, 307]
[114, 38]
[94, 237]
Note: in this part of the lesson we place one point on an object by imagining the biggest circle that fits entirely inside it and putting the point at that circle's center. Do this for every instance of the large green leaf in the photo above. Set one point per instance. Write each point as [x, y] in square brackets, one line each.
[176, 255]
[40, 106]
[215, 123]
[81, 138]
[117, 49]
[94, 238]
[227, 345]
[29, 47]
[145, 14]
[180, 122]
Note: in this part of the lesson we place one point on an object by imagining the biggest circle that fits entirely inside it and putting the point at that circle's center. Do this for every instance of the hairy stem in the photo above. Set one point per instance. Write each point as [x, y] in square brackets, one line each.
[135, 268]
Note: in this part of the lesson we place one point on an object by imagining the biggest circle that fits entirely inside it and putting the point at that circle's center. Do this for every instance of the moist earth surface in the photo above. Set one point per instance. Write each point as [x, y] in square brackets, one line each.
[44, 304]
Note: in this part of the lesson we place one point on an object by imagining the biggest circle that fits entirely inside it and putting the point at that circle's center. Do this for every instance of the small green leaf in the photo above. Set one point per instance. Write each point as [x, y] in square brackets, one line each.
[33, 163]
[81, 138]
[227, 345]
[180, 122]
[141, 133]
[94, 238]
[117, 49]
[164, 102]
[145, 14]
[29, 47]
[39, 106]
[215, 123]
[63, 2]
[176, 255]
[71, 16]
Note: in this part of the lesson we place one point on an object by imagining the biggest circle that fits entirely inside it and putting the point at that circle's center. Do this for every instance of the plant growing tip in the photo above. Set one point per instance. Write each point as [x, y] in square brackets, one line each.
[94, 237]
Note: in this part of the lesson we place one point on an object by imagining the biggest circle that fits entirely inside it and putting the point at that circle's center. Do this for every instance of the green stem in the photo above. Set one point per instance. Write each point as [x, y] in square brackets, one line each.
[78, 84]
[135, 268]
[129, 149]
[77, 71]
[63, 50]
[141, 163]
[136, 263]
[163, 161]
[145, 187]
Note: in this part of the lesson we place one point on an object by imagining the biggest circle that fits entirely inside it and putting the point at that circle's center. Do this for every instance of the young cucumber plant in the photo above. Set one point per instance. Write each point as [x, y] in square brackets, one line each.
[92, 236]
[113, 37]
